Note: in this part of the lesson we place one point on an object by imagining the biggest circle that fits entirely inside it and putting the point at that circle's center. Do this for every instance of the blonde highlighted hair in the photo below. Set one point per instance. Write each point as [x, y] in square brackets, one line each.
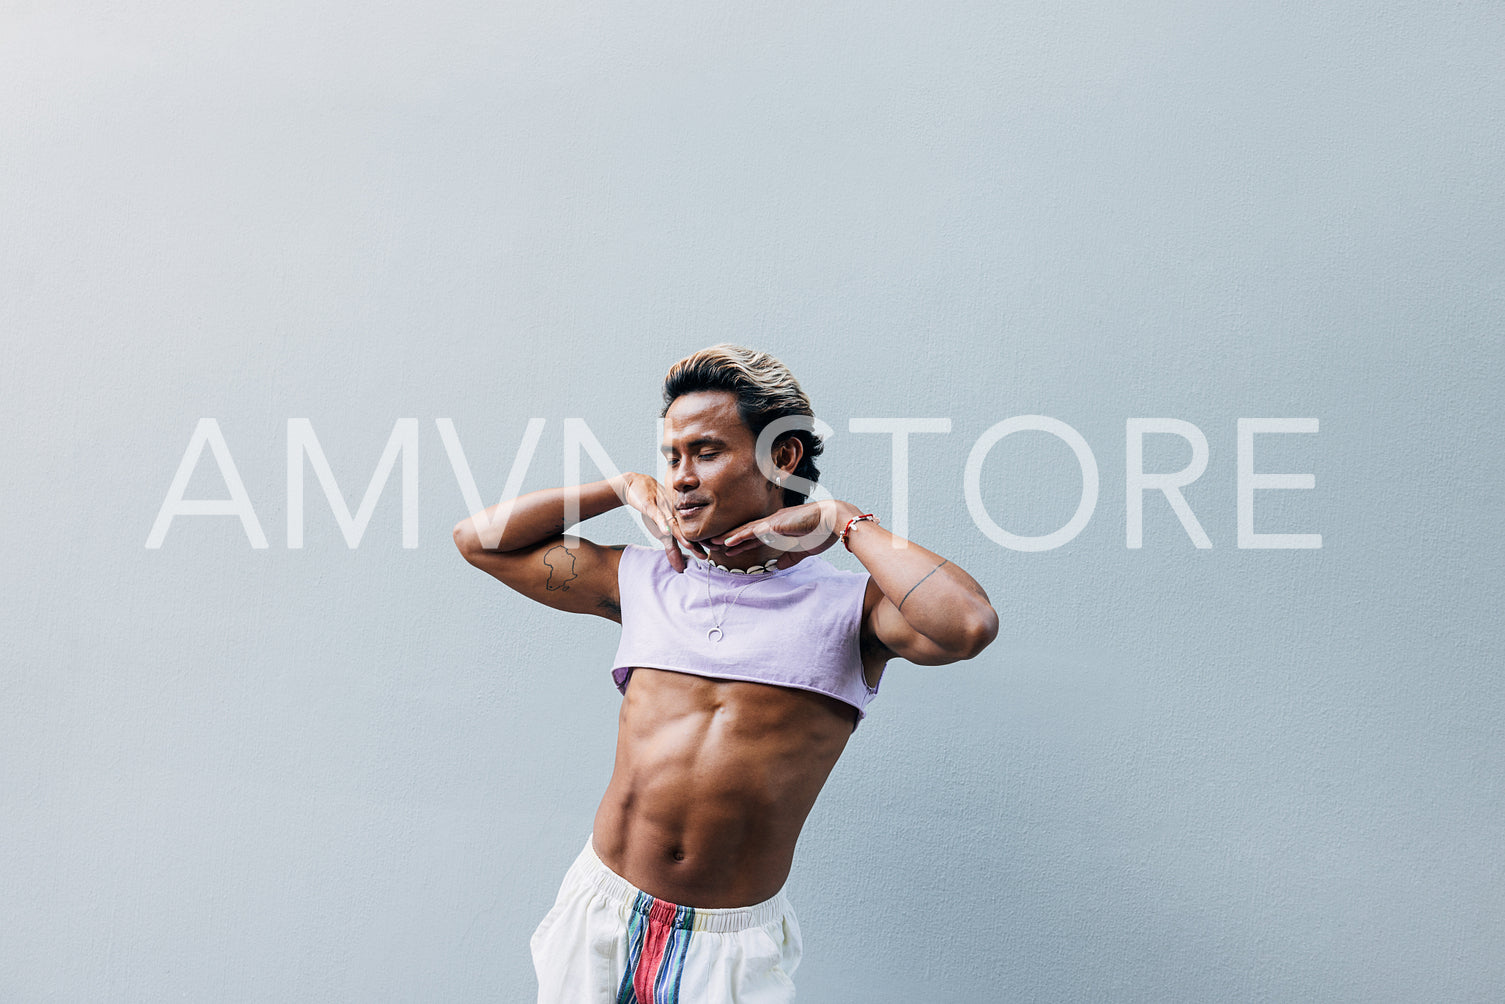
[765, 391]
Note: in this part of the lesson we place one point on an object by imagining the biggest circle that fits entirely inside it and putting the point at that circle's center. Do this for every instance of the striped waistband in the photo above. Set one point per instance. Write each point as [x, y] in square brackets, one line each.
[589, 871]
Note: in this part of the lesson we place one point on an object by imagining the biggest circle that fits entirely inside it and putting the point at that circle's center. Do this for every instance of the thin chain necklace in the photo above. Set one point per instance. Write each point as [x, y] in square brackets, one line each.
[715, 633]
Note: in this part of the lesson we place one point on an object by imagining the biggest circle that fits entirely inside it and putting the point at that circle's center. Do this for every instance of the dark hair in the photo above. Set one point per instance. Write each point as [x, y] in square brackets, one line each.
[765, 390]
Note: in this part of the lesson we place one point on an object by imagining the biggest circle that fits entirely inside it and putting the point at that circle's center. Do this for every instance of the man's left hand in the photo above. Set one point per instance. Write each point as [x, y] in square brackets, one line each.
[799, 531]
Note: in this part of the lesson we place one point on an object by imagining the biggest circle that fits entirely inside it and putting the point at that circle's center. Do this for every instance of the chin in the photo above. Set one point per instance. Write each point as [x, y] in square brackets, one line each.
[704, 532]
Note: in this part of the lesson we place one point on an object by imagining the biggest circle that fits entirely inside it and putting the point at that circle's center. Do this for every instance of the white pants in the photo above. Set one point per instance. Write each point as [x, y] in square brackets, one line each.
[607, 942]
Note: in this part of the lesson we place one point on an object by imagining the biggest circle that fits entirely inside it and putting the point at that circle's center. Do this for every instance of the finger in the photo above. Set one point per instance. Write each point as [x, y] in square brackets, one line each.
[668, 517]
[655, 519]
[671, 551]
[670, 542]
[672, 533]
[672, 521]
[674, 539]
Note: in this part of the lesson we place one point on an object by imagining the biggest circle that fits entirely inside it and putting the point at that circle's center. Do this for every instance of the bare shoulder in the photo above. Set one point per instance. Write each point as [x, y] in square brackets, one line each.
[578, 576]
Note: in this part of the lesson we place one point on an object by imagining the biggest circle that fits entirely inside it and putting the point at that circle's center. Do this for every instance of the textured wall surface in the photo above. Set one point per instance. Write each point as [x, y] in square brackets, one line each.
[1179, 774]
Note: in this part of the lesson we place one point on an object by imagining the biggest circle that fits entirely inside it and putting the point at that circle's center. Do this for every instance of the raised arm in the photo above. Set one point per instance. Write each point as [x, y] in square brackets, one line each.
[931, 612]
[521, 542]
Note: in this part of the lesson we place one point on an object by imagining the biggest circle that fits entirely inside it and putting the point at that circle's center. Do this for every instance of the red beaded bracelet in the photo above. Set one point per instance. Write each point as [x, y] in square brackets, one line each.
[848, 528]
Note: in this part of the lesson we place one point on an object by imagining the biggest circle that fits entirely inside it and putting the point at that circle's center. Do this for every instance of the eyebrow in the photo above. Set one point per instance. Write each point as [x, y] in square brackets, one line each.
[695, 444]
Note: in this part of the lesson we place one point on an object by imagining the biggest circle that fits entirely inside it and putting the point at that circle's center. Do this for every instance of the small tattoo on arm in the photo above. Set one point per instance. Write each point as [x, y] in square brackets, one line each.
[917, 584]
[561, 564]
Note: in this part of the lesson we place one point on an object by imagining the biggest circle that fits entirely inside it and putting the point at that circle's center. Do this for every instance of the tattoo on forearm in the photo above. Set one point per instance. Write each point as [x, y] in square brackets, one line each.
[927, 575]
[561, 564]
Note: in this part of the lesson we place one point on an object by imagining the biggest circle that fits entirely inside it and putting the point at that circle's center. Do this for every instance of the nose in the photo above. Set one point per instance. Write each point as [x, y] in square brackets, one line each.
[683, 476]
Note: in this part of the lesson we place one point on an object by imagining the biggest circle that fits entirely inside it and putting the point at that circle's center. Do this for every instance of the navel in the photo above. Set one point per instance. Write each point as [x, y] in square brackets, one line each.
[677, 854]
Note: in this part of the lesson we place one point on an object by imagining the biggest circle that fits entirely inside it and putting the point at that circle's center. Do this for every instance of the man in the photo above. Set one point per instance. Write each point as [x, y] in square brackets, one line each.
[743, 675]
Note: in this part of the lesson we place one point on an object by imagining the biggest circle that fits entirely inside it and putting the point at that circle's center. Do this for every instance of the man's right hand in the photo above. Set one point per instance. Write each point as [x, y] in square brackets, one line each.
[653, 501]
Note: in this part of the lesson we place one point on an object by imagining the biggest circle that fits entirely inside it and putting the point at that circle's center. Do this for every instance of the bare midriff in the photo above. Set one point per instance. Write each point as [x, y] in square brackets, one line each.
[712, 784]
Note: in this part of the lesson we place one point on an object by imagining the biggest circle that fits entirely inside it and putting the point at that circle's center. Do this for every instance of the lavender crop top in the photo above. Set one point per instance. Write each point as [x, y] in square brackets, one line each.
[793, 627]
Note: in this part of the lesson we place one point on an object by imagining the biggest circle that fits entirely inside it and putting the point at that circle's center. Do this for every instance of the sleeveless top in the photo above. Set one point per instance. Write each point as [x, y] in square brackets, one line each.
[793, 627]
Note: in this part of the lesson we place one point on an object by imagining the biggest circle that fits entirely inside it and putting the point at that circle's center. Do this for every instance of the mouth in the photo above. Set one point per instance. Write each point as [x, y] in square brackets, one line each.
[690, 508]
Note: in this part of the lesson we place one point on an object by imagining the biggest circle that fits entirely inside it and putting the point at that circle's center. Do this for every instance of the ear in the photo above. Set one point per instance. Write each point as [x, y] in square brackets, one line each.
[787, 454]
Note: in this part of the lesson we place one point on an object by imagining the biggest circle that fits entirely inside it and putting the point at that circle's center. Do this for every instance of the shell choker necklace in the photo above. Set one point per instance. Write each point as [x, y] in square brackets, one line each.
[767, 566]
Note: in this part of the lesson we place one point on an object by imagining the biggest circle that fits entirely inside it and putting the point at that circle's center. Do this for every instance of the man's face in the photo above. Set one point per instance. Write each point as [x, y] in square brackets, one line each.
[713, 474]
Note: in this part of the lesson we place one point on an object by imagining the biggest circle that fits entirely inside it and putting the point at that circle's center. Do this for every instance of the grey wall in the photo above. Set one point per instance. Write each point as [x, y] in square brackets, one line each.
[334, 773]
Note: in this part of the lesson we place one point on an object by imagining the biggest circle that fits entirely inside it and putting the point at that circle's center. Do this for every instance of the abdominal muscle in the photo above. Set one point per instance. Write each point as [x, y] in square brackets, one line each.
[712, 784]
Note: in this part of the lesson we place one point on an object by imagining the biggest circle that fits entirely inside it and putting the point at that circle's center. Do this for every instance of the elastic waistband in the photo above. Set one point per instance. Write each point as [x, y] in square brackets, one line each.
[590, 871]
